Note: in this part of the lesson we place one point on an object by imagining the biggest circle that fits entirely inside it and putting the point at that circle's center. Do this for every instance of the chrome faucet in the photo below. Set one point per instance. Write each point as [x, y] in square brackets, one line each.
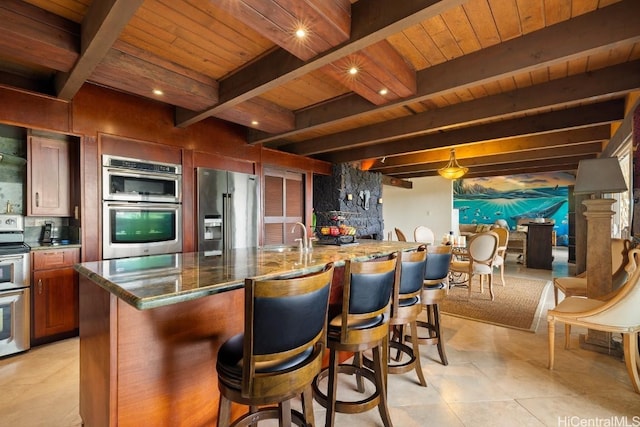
[305, 241]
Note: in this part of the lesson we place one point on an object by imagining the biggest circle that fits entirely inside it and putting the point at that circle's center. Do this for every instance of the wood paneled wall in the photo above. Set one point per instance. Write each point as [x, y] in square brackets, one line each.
[116, 123]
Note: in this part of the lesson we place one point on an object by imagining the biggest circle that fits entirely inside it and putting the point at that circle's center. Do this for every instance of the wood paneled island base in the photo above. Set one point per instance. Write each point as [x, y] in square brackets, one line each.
[152, 367]
[151, 327]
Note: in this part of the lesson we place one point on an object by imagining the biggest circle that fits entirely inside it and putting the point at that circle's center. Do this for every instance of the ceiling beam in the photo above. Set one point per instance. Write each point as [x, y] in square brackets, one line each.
[611, 81]
[371, 22]
[101, 27]
[511, 145]
[571, 118]
[600, 30]
[36, 36]
[515, 168]
[591, 148]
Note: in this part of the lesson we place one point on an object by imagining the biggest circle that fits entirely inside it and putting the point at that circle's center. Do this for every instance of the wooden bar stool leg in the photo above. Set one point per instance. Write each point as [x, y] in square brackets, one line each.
[413, 327]
[381, 381]
[438, 332]
[332, 387]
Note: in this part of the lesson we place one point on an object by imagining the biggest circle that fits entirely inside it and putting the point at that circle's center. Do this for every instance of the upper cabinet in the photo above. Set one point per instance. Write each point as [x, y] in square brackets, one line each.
[49, 177]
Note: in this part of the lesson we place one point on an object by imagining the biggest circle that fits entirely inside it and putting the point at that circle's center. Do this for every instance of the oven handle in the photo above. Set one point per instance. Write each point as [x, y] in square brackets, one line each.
[143, 205]
[11, 257]
[138, 174]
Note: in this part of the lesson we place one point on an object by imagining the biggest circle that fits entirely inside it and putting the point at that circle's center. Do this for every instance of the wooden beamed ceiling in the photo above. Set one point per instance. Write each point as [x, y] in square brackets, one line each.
[515, 87]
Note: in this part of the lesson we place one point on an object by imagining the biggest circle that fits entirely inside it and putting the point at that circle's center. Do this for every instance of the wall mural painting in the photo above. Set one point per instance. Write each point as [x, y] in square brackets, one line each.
[512, 197]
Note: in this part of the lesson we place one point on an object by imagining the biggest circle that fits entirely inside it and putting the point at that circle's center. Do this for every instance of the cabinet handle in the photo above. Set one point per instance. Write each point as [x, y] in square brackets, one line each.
[39, 286]
[37, 199]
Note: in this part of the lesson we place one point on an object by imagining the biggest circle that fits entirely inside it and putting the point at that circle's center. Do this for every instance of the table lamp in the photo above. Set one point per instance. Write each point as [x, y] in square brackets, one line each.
[595, 177]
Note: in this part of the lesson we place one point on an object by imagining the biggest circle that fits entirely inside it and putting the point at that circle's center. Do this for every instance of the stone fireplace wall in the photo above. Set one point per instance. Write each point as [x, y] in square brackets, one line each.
[362, 209]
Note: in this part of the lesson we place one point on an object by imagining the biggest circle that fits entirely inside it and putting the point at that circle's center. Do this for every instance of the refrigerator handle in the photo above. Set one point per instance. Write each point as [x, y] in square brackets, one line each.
[228, 221]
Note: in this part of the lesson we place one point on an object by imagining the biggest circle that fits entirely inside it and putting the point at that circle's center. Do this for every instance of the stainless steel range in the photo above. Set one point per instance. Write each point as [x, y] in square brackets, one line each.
[14, 286]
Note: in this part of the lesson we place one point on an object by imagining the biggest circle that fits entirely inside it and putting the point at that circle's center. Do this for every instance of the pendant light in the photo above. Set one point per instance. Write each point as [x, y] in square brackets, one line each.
[453, 170]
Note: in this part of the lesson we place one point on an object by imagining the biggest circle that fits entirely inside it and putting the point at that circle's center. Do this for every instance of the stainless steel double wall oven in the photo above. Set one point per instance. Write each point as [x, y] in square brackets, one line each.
[141, 208]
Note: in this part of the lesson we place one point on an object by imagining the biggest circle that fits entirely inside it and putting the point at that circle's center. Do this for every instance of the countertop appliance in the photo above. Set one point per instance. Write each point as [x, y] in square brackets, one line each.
[228, 210]
[14, 286]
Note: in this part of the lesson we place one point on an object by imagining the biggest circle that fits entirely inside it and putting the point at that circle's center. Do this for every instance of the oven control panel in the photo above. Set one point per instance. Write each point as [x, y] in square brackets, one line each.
[11, 222]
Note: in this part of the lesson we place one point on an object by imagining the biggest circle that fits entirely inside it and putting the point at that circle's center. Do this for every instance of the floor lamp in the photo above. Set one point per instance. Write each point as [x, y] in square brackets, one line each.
[595, 177]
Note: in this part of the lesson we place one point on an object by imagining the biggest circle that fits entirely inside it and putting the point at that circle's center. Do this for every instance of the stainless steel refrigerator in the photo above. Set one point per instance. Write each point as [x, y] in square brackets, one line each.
[228, 210]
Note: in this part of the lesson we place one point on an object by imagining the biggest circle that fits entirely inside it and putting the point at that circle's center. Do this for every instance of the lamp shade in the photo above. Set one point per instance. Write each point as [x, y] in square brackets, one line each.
[597, 176]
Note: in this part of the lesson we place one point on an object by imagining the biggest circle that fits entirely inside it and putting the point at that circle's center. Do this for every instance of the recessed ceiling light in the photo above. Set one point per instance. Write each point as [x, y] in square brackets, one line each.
[353, 70]
[383, 91]
[301, 33]
[158, 92]
[254, 123]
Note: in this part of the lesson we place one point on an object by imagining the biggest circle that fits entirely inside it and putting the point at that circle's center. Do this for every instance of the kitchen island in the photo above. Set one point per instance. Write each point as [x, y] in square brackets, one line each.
[150, 327]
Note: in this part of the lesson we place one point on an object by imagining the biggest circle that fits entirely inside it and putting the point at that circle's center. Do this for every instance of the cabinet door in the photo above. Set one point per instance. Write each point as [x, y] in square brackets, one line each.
[49, 180]
[55, 302]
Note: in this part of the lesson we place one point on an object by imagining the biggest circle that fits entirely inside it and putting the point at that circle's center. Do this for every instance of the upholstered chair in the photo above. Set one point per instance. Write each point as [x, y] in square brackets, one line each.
[481, 252]
[615, 313]
[423, 234]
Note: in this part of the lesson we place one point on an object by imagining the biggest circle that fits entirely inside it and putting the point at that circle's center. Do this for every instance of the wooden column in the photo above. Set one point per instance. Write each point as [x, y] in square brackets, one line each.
[598, 215]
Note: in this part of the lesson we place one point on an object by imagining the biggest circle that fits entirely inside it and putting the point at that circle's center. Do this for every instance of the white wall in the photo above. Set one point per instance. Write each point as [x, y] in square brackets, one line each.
[429, 203]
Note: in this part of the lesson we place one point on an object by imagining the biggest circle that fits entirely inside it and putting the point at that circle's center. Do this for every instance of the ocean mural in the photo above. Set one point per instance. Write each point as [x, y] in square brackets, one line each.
[485, 200]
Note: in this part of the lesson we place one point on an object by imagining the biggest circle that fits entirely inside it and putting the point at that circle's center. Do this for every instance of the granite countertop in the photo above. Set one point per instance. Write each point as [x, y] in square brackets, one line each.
[159, 280]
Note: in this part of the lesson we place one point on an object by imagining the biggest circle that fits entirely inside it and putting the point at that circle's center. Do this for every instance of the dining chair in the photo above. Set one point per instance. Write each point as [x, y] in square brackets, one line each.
[501, 253]
[424, 234]
[280, 352]
[616, 313]
[400, 235]
[577, 285]
[481, 251]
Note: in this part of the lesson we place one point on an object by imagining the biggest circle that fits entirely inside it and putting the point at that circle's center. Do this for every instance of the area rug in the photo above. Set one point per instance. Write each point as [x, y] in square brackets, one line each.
[517, 305]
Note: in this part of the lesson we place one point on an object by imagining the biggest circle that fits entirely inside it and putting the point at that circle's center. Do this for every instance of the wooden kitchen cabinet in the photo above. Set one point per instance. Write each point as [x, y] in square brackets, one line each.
[49, 181]
[54, 294]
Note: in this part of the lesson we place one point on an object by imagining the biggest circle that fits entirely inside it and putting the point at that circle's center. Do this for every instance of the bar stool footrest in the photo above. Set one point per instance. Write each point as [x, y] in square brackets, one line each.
[348, 407]
[266, 414]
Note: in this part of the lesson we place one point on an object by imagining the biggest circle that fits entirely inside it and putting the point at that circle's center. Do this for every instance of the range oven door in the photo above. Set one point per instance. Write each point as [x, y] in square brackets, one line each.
[14, 271]
[137, 229]
[14, 321]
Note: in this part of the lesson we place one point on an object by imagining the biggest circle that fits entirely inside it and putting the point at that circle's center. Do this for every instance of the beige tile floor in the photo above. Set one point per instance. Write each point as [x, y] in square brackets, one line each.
[495, 377]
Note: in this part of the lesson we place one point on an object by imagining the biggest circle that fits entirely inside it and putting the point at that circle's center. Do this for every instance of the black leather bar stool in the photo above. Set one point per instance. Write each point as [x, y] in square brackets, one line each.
[280, 351]
[435, 288]
[405, 308]
[362, 325]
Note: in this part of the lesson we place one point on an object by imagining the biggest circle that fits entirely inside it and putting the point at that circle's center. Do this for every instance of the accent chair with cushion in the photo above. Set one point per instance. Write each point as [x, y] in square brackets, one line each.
[577, 285]
[616, 313]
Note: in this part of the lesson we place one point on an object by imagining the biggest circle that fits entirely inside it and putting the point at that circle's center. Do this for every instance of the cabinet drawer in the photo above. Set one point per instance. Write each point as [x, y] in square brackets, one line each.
[55, 258]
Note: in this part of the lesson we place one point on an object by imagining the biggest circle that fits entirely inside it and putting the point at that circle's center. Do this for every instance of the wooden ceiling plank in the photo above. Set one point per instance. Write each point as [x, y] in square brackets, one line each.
[479, 14]
[372, 21]
[589, 115]
[599, 30]
[614, 80]
[531, 13]
[101, 27]
[512, 145]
